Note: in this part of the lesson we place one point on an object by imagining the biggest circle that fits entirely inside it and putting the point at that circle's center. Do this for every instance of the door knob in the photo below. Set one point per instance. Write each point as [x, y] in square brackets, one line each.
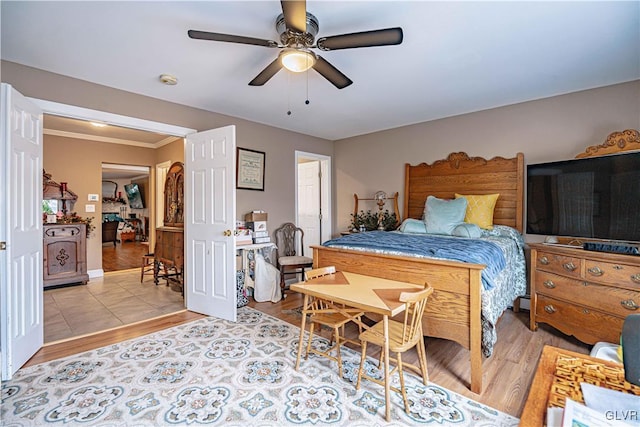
[226, 233]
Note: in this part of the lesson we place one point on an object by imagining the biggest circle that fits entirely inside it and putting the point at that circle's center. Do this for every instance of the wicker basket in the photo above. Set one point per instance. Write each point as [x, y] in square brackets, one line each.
[571, 371]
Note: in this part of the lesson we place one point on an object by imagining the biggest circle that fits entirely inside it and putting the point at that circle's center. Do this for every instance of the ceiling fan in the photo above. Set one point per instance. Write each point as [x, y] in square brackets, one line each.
[298, 29]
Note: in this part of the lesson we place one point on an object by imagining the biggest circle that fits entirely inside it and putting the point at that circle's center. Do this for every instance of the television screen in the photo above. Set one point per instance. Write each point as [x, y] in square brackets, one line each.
[597, 197]
[134, 195]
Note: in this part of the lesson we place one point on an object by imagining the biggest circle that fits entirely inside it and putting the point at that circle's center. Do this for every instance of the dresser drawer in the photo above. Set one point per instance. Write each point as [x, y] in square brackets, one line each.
[615, 301]
[565, 265]
[66, 231]
[589, 326]
[608, 272]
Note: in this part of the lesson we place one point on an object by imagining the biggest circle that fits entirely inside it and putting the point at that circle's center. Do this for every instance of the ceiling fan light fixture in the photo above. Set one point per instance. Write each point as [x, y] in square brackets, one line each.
[297, 60]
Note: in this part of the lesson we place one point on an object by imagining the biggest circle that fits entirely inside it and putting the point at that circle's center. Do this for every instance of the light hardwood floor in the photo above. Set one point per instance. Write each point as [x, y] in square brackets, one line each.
[507, 375]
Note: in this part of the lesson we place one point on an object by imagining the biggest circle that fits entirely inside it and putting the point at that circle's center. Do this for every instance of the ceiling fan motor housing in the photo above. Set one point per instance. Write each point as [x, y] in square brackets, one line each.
[292, 38]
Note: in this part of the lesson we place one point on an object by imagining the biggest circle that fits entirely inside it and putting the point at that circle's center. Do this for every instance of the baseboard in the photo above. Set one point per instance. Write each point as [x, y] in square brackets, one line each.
[95, 273]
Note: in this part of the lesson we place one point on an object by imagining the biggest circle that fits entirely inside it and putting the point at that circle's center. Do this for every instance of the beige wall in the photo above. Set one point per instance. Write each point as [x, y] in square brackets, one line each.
[278, 199]
[544, 130]
[548, 129]
[79, 163]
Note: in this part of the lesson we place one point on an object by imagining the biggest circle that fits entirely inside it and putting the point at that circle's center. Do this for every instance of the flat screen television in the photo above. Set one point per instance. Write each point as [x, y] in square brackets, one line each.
[136, 201]
[596, 197]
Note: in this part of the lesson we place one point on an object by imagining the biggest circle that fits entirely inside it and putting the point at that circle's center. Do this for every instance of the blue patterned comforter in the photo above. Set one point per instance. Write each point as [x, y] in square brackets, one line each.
[500, 249]
[475, 251]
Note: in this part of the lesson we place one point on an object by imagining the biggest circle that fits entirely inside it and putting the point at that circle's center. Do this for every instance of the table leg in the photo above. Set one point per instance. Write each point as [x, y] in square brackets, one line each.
[387, 385]
[302, 326]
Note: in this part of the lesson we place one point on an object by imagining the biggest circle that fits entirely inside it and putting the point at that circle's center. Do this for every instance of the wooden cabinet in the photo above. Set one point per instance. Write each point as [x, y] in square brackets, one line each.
[582, 293]
[169, 249]
[65, 254]
[170, 252]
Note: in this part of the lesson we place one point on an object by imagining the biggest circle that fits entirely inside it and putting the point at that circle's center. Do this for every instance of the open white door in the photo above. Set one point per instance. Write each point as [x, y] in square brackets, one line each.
[210, 215]
[21, 311]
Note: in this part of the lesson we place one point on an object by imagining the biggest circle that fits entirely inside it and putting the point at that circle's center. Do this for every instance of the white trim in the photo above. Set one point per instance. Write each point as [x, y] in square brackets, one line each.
[325, 163]
[93, 274]
[109, 140]
[72, 111]
[161, 175]
[129, 168]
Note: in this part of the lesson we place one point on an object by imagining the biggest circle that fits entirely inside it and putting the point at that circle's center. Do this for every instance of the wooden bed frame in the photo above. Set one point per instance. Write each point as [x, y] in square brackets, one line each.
[453, 311]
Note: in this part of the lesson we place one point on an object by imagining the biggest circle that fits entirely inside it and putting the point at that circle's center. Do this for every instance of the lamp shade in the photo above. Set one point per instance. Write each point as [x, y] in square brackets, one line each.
[297, 60]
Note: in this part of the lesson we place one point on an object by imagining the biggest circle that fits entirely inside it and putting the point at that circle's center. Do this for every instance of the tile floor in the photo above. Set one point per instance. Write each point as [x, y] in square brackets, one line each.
[114, 300]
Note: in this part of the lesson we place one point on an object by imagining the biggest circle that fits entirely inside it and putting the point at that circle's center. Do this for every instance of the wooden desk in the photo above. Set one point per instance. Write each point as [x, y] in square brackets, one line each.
[367, 293]
[535, 408]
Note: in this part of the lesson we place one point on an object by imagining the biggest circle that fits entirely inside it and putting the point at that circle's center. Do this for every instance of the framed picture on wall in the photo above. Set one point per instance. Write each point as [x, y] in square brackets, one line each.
[250, 169]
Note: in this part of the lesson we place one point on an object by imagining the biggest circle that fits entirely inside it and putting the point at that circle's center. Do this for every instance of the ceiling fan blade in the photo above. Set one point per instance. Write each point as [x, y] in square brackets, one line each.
[331, 73]
[267, 73]
[295, 14]
[388, 36]
[217, 37]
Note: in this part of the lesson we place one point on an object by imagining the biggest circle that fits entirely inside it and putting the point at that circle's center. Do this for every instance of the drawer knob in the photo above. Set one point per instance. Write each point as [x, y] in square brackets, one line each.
[549, 284]
[595, 271]
[585, 311]
[544, 260]
[629, 304]
[549, 309]
[635, 278]
[569, 266]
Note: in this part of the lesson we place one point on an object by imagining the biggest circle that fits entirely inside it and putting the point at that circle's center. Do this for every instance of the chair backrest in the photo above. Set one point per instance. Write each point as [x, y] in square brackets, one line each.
[286, 237]
[109, 231]
[416, 303]
[319, 272]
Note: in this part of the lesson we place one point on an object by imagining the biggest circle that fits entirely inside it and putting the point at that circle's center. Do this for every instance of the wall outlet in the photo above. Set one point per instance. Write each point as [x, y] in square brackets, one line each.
[89, 208]
[93, 198]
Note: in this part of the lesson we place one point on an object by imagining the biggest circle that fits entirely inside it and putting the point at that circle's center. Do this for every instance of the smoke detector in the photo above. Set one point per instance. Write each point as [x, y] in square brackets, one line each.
[168, 79]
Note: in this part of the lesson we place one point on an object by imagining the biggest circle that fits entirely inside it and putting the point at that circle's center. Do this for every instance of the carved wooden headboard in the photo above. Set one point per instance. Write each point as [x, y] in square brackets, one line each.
[459, 173]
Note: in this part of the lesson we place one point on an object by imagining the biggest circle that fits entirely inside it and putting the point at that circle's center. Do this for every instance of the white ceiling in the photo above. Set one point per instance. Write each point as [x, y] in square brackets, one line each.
[456, 57]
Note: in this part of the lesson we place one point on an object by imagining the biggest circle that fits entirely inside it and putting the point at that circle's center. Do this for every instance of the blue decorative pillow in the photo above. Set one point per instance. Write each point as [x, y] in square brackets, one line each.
[411, 225]
[442, 216]
[467, 230]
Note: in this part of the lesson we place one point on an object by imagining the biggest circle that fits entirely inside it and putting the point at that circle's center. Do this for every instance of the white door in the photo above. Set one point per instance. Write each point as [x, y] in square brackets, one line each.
[21, 311]
[210, 209]
[309, 212]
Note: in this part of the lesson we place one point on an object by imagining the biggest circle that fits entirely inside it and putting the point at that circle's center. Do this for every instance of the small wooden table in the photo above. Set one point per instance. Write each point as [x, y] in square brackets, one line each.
[366, 293]
[535, 408]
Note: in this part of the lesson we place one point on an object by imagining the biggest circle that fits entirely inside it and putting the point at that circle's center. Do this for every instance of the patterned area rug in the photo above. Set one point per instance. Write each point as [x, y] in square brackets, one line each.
[215, 372]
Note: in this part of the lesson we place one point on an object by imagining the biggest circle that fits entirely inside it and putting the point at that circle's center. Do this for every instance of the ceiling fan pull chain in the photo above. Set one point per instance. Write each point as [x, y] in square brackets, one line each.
[288, 94]
[306, 102]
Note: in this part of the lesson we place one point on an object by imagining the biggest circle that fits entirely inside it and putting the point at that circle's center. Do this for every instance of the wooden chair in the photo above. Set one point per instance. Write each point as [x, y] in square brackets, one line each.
[289, 262]
[110, 232]
[148, 265]
[333, 320]
[403, 336]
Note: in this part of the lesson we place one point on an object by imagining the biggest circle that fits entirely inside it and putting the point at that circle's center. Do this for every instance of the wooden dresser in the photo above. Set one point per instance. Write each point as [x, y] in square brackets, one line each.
[65, 254]
[583, 293]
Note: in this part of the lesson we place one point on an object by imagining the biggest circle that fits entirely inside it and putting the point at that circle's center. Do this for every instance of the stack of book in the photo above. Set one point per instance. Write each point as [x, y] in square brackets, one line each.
[256, 221]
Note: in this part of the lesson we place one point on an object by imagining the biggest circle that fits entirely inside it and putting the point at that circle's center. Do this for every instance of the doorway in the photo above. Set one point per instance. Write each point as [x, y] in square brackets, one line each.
[115, 295]
[126, 211]
[313, 198]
